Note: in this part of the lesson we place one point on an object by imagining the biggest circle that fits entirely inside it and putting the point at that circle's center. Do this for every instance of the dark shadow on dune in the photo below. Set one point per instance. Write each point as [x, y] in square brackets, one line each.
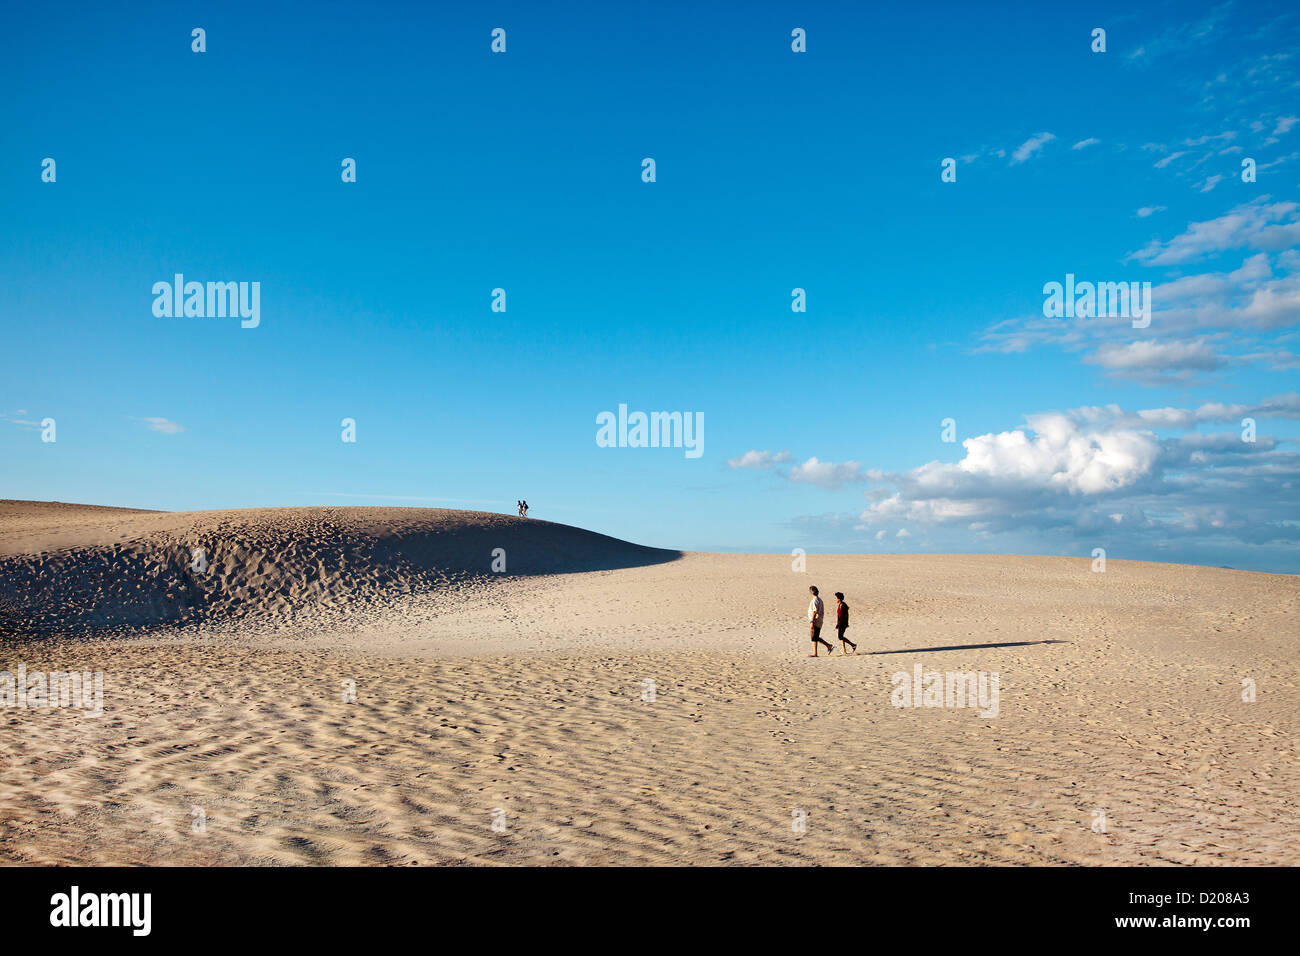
[280, 563]
[966, 647]
[531, 547]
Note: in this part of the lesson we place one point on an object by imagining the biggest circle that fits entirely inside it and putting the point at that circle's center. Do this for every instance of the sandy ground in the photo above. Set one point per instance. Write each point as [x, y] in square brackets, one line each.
[504, 719]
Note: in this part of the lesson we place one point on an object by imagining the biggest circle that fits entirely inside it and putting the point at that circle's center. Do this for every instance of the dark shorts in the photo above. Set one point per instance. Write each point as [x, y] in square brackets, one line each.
[816, 631]
[840, 629]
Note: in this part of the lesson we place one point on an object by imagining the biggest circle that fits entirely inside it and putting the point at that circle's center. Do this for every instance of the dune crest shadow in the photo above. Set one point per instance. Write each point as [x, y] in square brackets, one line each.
[75, 568]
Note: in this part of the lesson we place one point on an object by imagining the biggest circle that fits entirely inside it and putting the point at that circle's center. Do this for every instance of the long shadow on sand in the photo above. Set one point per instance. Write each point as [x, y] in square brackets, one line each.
[966, 647]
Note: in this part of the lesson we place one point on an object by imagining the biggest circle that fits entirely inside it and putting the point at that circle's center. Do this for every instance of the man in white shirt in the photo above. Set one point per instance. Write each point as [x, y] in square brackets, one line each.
[816, 613]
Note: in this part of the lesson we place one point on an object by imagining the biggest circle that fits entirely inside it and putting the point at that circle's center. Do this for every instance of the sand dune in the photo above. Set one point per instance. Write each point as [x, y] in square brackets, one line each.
[398, 728]
[64, 568]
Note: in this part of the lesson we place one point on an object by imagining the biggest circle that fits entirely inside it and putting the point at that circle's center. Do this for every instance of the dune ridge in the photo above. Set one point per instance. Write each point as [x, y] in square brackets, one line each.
[67, 568]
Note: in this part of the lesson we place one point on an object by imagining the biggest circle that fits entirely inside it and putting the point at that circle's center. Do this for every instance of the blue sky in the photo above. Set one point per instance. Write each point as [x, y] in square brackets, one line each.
[775, 170]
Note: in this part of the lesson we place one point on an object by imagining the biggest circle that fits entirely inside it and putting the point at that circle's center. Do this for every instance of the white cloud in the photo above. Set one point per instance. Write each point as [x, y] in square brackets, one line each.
[759, 459]
[162, 425]
[1149, 484]
[823, 474]
[1235, 308]
[1186, 35]
[1152, 362]
[1255, 225]
[1286, 406]
[826, 474]
[1060, 456]
[1031, 146]
[1147, 211]
[1281, 160]
[22, 422]
[1227, 137]
[1081, 472]
[1085, 143]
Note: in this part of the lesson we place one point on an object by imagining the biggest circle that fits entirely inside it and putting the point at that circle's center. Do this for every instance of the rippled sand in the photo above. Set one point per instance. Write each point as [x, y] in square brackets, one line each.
[525, 700]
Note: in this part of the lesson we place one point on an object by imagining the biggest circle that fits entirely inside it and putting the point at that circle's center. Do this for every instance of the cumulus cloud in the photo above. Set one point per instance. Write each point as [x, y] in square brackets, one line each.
[1145, 480]
[1096, 463]
[1060, 456]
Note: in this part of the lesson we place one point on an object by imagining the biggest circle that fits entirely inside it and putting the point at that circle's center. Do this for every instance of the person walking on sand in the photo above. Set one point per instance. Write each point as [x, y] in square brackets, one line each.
[842, 622]
[816, 614]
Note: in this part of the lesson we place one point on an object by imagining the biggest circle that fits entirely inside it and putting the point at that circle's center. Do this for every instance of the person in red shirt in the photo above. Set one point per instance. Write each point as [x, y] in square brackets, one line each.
[842, 622]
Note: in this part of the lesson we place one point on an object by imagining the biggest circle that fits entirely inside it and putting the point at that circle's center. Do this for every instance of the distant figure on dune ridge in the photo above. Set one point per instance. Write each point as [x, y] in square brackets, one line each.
[816, 614]
[519, 507]
[842, 622]
[523, 508]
